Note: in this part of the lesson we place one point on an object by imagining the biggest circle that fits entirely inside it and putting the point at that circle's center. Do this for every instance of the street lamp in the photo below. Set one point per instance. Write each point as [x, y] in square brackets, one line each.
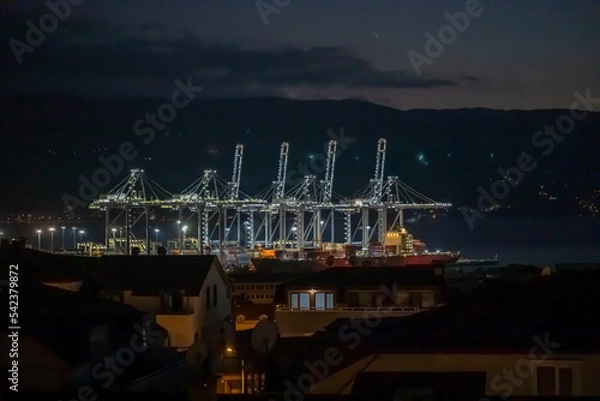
[74, 229]
[156, 231]
[243, 370]
[62, 243]
[81, 232]
[39, 239]
[114, 232]
[52, 229]
[183, 230]
[179, 239]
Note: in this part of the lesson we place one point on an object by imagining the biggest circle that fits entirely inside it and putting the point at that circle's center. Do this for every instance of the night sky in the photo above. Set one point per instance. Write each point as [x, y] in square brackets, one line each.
[512, 56]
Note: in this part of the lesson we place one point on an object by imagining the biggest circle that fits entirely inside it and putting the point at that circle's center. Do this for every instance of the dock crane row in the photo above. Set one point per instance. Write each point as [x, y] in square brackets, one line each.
[278, 218]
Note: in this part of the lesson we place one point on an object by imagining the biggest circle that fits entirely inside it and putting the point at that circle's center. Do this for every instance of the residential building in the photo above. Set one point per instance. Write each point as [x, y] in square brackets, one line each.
[67, 340]
[310, 303]
[538, 338]
[189, 295]
[256, 288]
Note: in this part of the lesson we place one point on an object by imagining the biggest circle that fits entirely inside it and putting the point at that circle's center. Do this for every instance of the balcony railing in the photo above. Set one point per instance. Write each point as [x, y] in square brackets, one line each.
[180, 312]
[352, 309]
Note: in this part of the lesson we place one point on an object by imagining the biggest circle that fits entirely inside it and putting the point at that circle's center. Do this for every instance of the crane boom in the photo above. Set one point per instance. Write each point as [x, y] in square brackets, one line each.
[282, 170]
[329, 171]
[379, 169]
[237, 172]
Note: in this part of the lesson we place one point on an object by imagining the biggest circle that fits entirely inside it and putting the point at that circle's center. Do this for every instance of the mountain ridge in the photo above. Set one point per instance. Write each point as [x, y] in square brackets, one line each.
[444, 153]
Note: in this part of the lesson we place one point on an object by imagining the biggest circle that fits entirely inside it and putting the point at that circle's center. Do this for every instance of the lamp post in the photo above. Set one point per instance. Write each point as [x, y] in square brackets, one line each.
[81, 232]
[183, 230]
[52, 229]
[243, 370]
[114, 231]
[179, 236]
[62, 232]
[156, 231]
[74, 229]
[39, 239]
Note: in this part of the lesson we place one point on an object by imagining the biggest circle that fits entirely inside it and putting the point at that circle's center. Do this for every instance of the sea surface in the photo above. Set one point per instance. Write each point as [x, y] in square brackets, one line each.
[539, 241]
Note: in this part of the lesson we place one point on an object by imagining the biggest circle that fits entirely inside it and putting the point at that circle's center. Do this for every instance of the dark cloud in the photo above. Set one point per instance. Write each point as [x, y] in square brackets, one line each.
[91, 49]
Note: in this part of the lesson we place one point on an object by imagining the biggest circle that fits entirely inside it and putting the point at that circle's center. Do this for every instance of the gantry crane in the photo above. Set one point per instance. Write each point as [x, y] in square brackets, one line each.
[211, 197]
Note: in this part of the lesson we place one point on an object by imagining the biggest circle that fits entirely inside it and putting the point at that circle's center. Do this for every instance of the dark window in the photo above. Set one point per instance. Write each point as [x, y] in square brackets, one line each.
[207, 297]
[553, 381]
[545, 380]
[214, 295]
[176, 302]
[565, 382]
[415, 299]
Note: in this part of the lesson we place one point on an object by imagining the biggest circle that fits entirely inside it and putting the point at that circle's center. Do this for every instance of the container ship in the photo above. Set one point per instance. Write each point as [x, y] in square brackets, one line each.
[400, 249]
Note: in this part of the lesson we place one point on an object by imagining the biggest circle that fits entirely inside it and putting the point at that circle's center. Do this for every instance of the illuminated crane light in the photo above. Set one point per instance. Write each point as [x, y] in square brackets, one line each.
[212, 196]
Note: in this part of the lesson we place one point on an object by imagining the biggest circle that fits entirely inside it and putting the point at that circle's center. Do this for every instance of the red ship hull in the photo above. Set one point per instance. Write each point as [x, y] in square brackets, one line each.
[398, 260]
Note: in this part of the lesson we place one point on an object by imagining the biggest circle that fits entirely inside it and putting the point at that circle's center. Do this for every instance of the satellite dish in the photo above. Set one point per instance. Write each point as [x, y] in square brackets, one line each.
[547, 271]
[196, 354]
[264, 336]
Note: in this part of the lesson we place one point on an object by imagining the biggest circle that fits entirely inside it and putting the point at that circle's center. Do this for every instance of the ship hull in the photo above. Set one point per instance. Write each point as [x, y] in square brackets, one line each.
[397, 260]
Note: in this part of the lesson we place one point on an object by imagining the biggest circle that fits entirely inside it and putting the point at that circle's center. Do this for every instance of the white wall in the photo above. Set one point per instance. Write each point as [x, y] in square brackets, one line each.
[207, 317]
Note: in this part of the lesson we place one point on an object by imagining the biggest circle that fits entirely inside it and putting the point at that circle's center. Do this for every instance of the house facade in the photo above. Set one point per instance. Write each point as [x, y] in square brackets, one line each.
[189, 296]
[309, 304]
[69, 340]
[486, 374]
